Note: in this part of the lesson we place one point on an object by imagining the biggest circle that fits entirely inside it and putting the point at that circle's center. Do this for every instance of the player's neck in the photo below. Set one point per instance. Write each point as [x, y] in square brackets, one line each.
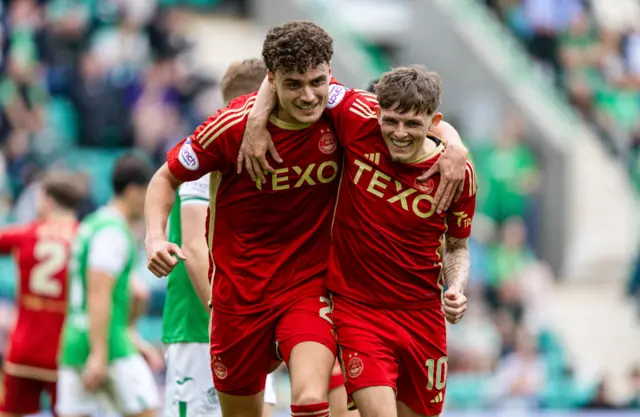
[122, 208]
[428, 146]
[60, 216]
[284, 116]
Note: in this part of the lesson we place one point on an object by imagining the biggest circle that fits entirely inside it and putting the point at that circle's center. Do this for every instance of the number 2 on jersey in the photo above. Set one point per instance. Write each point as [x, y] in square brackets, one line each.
[51, 256]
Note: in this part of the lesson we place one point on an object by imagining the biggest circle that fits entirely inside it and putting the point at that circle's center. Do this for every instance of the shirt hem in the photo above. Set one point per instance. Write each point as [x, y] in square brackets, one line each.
[400, 305]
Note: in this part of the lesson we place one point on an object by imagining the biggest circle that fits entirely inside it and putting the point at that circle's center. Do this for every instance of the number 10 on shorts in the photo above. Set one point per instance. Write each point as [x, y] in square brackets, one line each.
[437, 373]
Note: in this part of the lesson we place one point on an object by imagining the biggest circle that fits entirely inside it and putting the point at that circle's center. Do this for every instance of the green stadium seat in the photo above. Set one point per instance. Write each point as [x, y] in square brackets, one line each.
[467, 391]
[8, 281]
[97, 164]
[150, 328]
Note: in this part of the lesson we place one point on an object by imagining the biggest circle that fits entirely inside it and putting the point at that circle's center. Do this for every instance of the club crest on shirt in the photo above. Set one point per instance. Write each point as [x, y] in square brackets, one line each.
[327, 143]
[219, 369]
[188, 157]
[355, 367]
[425, 186]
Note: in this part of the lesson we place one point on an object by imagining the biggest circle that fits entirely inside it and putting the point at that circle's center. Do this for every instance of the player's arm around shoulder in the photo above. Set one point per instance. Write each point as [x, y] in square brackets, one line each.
[256, 139]
[208, 149]
[451, 165]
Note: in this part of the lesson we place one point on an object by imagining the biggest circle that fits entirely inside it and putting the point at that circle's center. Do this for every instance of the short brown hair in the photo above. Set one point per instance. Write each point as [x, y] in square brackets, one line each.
[242, 77]
[64, 187]
[412, 88]
[296, 46]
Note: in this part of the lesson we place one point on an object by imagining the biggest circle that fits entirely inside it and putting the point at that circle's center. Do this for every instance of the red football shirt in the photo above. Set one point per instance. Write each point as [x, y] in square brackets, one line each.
[269, 242]
[388, 241]
[41, 251]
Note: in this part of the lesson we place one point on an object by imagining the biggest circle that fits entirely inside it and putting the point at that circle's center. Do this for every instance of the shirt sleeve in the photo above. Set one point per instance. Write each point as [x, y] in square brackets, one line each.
[460, 213]
[351, 112]
[108, 251]
[195, 192]
[214, 144]
[10, 238]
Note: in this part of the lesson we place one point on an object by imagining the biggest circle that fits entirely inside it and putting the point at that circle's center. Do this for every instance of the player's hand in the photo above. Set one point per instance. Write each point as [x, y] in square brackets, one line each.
[256, 142]
[455, 305]
[95, 372]
[451, 166]
[160, 259]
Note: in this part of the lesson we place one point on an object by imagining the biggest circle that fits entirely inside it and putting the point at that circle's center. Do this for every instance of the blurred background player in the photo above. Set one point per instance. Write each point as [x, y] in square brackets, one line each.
[99, 364]
[189, 387]
[41, 250]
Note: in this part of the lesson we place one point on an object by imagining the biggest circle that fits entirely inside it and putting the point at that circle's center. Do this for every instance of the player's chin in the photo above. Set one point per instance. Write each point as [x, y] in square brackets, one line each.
[309, 117]
[399, 156]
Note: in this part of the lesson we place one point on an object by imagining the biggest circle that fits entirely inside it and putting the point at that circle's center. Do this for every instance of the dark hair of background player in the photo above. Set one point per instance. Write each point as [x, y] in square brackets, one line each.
[412, 88]
[372, 86]
[296, 46]
[130, 170]
[242, 77]
[64, 188]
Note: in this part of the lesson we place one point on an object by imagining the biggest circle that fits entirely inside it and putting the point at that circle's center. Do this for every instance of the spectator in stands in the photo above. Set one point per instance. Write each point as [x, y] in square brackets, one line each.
[100, 101]
[633, 287]
[601, 399]
[634, 382]
[475, 340]
[509, 169]
[548, 19]
[634, 157]
[521, 376]
[510, 259]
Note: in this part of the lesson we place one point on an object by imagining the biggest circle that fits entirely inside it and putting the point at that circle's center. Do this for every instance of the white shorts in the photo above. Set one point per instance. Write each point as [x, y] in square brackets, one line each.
[189, 387]
[129, 389]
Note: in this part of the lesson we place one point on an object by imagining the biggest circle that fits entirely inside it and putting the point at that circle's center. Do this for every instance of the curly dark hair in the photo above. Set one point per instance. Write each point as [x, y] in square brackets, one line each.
[412, 88]
[296, 46]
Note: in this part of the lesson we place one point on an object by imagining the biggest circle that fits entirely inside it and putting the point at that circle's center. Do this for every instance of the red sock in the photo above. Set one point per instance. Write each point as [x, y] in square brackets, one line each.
[310, 410]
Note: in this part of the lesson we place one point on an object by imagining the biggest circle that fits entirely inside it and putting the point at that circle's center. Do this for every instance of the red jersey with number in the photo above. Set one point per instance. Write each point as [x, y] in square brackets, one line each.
[269, 242]
[388, 241]
[41, 251]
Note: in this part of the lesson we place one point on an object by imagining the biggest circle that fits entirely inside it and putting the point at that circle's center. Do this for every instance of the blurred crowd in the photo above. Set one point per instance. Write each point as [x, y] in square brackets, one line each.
[591, 50]
[82, 80]
[99, 75]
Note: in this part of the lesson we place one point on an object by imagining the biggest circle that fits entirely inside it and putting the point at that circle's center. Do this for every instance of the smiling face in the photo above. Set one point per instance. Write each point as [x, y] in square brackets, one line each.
[302, 97]
[297, 55]
[405, 133]
[408, 100]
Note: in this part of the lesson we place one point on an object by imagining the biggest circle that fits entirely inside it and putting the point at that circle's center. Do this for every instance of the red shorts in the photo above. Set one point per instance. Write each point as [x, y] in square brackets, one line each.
[402, 349]
[337, 378]
[244, 348]
[22, 395]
